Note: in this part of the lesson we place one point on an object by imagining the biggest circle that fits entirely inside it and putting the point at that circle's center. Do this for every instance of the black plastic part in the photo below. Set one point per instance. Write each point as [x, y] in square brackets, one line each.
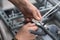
[48, 32]
[39, 32]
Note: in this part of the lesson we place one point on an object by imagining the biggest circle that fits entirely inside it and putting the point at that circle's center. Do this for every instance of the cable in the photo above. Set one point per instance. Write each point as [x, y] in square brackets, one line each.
[45, 30]
[49, 12]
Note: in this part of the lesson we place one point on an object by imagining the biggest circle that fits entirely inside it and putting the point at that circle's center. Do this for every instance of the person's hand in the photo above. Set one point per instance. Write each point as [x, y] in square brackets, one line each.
[31, 12]
[28, 9]
[24, 33]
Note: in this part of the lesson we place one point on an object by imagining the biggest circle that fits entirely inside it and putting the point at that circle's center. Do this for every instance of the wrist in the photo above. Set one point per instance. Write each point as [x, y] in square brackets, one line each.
[19, 37]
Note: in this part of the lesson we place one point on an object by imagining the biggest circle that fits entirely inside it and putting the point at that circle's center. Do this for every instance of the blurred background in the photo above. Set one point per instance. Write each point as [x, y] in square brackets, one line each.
[11, 19]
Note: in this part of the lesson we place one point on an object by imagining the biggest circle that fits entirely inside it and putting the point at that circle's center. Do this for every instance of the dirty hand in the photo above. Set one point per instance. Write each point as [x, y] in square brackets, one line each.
[24, 33]
[28, 9]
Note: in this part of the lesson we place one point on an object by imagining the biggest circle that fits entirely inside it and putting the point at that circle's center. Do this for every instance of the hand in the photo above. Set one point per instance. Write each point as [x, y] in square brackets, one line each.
[24, 33]
[28, 9]
[31, 12]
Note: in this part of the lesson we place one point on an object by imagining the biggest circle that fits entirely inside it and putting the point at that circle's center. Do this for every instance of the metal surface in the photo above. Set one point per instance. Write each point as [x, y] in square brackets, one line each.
[13, 20]
[0, 5]
[53, 8]
[7, 5]
[5, 33]
[1, 36]
[45, 30]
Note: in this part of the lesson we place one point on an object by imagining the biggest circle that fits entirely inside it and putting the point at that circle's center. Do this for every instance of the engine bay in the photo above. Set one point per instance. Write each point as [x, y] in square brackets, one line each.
[13, 20]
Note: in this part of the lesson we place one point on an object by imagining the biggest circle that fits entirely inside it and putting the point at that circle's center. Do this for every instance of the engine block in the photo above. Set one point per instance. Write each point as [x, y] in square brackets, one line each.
[14, 19]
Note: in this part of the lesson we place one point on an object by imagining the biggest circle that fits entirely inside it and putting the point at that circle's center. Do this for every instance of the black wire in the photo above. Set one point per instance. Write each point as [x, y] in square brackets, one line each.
[48, 32]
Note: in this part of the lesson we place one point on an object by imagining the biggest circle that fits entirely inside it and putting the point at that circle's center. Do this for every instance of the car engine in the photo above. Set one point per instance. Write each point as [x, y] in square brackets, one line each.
[11, 20]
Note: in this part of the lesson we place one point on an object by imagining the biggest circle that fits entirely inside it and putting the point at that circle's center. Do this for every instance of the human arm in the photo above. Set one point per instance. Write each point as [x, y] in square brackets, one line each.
[27, 8]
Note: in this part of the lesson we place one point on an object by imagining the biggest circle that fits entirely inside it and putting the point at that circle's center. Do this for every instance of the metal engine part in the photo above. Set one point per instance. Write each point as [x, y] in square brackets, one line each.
[12, 20]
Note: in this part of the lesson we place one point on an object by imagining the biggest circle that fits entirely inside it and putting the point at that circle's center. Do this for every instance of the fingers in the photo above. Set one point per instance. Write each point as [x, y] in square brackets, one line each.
[36, 15]
[28, 20]
[32, 26]
[39, 14]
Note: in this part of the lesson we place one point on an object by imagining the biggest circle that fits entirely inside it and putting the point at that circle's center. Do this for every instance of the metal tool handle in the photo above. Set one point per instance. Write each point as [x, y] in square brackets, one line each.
[49, 12]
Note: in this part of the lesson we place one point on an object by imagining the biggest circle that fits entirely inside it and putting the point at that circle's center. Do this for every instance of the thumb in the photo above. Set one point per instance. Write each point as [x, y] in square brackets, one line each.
[37, 15]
